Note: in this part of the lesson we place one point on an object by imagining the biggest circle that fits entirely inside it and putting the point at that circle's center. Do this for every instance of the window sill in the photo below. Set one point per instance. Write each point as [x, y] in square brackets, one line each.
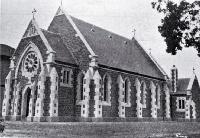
[180, 110]
[144, 106]
[104, 103]
[128, 104]
[65, 85]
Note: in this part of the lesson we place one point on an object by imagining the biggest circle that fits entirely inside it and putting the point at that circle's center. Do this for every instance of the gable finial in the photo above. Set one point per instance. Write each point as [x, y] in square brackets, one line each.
[193, 70]
[150, 51]
[33, 12]
[134, 32]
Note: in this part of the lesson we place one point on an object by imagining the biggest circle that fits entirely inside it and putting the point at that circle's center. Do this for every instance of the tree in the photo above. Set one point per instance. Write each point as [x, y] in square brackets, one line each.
[180, 25]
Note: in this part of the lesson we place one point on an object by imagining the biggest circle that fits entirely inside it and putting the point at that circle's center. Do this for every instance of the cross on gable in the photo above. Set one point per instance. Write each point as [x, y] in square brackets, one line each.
[31, 29]
[59, 11]
[193, 70]
[134, 31]
[34, 12]
[150, 50]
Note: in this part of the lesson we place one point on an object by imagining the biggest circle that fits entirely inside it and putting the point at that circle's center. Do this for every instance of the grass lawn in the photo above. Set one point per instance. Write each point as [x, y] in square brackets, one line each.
[101, 129]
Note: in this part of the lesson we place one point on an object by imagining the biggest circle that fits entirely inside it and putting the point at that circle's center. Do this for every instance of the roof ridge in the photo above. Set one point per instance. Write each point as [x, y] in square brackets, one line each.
[102, 45]
[109, 31]
[127, 39]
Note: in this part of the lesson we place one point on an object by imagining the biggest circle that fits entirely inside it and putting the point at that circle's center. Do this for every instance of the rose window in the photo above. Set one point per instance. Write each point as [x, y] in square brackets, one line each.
[31, 62]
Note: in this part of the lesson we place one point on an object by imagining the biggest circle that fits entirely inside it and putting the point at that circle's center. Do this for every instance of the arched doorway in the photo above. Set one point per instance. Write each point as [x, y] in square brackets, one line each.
[28, 96]
[25, 102]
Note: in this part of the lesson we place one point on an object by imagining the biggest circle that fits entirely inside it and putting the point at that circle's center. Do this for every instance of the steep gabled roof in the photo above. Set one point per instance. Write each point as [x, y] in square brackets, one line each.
[183, 84]
[116, 51]
[50, 40]
[56, 43]
[112, 50]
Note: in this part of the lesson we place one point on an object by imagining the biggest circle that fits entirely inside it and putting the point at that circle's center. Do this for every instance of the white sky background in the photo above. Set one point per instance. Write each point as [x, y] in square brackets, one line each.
[119, 16]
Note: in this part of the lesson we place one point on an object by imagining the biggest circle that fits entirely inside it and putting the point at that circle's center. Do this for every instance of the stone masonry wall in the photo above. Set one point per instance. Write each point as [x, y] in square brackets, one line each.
[112, 111]
[66, 95]
[174, 114]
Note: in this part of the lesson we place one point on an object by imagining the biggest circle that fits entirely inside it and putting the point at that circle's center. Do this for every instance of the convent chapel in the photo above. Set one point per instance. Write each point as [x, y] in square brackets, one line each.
[76, 71]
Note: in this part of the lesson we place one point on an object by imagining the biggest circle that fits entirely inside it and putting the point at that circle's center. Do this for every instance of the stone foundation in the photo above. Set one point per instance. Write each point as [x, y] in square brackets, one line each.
[82, 119]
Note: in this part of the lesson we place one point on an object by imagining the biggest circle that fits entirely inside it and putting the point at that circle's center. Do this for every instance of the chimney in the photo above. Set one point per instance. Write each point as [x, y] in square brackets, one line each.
[174, 78]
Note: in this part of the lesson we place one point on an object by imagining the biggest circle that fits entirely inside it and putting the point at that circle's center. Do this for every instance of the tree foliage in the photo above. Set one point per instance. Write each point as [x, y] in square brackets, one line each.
[180, 26]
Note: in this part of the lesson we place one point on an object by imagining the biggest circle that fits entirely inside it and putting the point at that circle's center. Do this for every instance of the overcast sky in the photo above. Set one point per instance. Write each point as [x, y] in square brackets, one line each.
[119, 16]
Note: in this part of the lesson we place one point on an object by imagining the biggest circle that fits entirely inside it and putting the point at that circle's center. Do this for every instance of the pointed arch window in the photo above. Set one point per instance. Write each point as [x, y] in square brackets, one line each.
[158, 96]
[143, 94]
[106, 90]
[127, 91]
[80, 87]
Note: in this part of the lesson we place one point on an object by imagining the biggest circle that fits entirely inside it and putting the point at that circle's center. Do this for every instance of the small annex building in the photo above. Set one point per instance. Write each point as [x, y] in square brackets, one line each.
[185, 97]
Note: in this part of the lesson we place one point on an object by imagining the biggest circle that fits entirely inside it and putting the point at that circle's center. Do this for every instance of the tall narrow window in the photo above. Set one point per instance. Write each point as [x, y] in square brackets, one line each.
[66, 77]
[81, 87]
[158, 96]
[126, 90]
[181, 103]
[143, 94]
[105, 91]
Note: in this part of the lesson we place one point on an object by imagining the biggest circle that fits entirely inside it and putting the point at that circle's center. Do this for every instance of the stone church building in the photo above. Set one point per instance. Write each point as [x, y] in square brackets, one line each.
[75, 71]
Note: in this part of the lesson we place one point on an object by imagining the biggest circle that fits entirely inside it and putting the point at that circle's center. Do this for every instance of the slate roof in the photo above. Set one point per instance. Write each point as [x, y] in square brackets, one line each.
[112, 50]
[62, 53]
[116, 51]
[183, 84]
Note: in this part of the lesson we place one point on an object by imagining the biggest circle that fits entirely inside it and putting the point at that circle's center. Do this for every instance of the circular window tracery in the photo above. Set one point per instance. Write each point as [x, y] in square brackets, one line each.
[31, 62]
